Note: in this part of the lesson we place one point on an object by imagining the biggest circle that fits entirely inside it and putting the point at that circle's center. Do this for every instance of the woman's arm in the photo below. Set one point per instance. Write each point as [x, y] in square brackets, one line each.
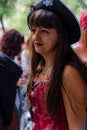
[15, 125]
[73, 91]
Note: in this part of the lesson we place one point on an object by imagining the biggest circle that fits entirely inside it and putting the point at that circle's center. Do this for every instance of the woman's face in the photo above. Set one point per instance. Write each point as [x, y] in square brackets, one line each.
[44, 40]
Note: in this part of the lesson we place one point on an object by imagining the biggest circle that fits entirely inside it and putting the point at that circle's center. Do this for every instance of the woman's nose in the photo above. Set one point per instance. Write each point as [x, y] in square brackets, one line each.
[37, 36]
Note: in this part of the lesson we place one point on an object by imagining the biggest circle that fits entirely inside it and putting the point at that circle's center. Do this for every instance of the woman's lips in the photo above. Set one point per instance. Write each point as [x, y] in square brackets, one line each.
[38, 44]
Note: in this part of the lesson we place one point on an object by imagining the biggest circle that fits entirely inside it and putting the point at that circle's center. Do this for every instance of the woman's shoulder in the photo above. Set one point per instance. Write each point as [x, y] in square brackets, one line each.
[72, 75]
[73, 79]
[69, 70]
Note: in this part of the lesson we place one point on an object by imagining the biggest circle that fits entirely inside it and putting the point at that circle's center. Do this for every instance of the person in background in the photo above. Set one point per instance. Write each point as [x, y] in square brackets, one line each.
[26, 55]
[26, 119]
[17, 60]
[10, 46]
[2, 126]
[80, 47]
[56, 71]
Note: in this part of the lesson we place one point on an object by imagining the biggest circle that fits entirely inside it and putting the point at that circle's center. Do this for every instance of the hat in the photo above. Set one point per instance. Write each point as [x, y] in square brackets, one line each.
[83, 19]
[65, 14]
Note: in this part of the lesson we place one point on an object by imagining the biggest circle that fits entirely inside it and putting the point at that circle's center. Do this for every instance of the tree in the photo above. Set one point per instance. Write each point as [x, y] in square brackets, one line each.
[6, 8]
[14, 12]
[19, 19]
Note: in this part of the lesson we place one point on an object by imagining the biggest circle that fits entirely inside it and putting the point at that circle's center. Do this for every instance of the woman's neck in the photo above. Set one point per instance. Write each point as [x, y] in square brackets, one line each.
[49, 60]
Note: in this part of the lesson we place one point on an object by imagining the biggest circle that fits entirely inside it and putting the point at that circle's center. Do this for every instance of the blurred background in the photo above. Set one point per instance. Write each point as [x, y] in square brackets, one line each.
[13, 13]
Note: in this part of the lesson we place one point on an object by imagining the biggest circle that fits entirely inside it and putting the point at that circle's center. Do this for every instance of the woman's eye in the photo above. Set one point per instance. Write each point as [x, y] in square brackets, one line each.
[33, 30]
[45, 31]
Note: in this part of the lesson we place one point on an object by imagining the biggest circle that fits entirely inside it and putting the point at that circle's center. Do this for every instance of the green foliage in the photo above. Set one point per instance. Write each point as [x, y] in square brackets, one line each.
[15, 12]
[77, 6]
[19, 21]
[6, 7]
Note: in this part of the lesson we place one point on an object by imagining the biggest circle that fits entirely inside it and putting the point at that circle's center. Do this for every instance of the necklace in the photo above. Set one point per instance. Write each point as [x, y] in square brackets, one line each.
[46, 70]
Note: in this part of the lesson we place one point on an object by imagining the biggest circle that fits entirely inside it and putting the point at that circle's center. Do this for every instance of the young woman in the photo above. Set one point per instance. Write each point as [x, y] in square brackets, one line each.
[57, 85]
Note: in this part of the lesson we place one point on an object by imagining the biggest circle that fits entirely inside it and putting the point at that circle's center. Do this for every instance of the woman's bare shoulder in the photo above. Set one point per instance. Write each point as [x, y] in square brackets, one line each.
[70, 70]
[73, 80]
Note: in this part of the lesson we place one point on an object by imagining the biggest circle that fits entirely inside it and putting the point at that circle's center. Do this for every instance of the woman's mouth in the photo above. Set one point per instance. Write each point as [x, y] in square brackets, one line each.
[38, 44]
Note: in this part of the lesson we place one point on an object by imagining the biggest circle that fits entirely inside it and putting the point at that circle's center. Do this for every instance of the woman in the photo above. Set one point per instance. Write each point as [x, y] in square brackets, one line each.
[57, 85]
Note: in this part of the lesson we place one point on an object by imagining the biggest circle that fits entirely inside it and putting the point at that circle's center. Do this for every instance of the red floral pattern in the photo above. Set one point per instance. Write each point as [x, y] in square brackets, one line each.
[42, 121]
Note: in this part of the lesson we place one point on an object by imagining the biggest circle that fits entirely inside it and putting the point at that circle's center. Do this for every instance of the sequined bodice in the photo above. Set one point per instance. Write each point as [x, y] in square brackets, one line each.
[42, 121]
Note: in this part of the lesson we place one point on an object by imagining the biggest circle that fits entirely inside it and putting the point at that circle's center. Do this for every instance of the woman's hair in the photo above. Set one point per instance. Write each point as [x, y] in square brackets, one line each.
[11, 42]
[28, 42]
[63, 55]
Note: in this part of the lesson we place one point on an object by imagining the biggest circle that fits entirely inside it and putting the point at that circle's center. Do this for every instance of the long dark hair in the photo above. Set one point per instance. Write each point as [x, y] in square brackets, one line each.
[64, 55]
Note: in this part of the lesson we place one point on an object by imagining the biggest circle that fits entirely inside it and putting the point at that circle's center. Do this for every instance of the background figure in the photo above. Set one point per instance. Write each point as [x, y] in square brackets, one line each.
[10, 46]
[56, 71]
[2, 126]
[11, 43]
[17, 59]
[25, 123]
[18, 99]
[81, 46]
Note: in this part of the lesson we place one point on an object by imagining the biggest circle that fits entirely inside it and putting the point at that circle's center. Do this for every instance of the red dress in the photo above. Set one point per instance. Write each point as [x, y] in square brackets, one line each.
[41, 120]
